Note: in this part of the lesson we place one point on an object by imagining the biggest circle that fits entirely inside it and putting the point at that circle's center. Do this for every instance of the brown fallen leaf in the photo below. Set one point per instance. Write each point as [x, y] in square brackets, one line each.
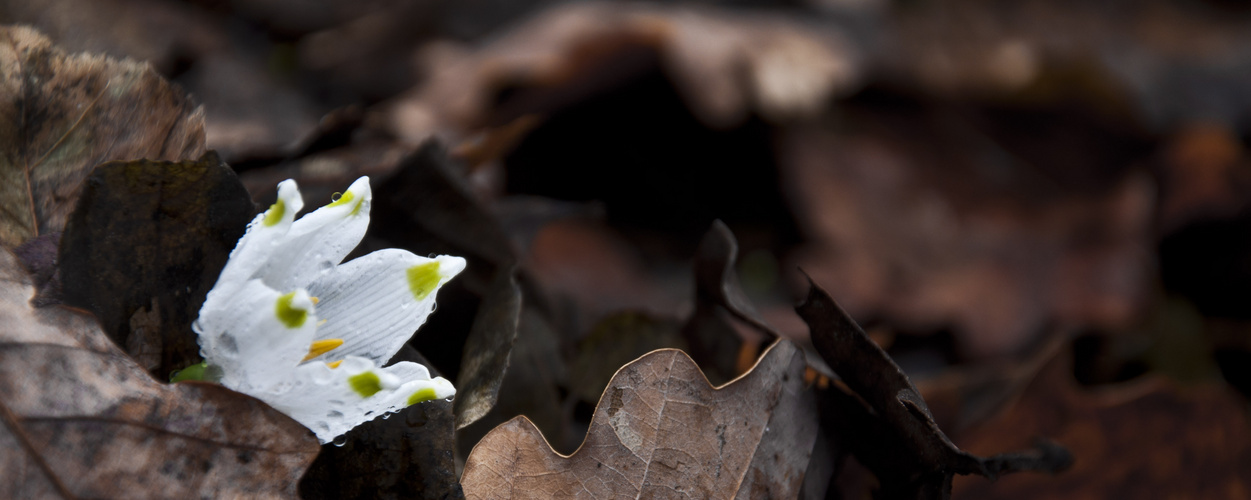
[79, 419]
[488, 348]
[920, 223]
[143, 247]
[877, 414]
[1148, 438]
[661, 430]
[62, 114]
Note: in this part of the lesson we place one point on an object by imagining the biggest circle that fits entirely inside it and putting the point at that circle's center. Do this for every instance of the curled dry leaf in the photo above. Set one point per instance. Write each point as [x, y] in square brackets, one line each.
[143, 247]
[661, 429]
[725, 65]
[61, 115]
[488, 349]
[883, 420]
[79, 419]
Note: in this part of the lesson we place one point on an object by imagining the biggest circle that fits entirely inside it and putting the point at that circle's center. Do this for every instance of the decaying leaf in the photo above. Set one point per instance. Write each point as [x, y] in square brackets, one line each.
[488, 349]
[1146, 438]
[61, 115]
[661, 430]
[144, 246]
[408, 454]
[533, 387]
[718, 297]
[79, 419]
[884, 421]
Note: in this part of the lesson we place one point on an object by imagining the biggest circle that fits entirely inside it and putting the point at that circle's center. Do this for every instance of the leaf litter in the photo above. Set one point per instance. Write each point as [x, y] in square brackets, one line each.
[82, 420]
[1094, 273]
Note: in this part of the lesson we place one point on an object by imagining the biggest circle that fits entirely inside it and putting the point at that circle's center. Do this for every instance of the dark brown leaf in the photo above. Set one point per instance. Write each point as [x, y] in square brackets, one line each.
[661, 430]
[1147, 438]
[719, 296]
[884, 421]
[614, 342]
[64, 114]
[145, 245]
[79, 419]
[488, 349]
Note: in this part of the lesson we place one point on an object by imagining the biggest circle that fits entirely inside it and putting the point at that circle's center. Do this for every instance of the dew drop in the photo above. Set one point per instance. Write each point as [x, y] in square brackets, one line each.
[340, 441]
[386, 416]
[450, 399]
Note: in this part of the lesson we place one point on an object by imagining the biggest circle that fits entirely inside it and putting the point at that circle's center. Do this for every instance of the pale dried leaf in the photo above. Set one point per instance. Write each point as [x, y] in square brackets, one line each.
[79, 419]
[662, 430]
[62, 114]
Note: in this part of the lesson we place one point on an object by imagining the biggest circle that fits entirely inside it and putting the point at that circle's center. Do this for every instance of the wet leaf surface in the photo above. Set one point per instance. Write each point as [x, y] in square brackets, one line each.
[66, 113]
[408, 454]
[661, 429]
[79, 419]
[145, 245]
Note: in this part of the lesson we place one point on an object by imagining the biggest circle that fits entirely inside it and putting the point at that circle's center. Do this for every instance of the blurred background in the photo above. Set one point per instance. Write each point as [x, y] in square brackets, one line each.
[1040, 208]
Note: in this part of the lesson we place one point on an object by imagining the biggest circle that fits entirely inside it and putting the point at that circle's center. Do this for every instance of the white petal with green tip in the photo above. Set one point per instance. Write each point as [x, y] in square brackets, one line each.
[375, 302]
[320, 240]
[258, 336]
[333, 401]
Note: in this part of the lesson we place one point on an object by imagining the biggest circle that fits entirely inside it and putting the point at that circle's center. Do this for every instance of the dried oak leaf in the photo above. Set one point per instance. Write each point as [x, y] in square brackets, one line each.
[662, 430]
[79, 419]
[61, 115]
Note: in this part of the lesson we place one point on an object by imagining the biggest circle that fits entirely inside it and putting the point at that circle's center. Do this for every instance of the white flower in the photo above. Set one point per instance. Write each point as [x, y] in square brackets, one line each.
[289, 325]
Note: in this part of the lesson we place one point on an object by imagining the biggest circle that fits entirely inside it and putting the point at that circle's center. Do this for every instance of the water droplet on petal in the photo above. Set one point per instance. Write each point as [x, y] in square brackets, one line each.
[386, 416]
[340, 441]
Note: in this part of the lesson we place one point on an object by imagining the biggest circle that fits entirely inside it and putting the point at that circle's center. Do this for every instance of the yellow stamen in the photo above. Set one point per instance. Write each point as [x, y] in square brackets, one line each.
[315, 300]
[321, 347]
[335, 364]
[322, 322]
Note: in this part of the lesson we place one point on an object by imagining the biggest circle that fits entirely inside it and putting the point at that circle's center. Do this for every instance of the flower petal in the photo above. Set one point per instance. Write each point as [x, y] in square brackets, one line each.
[375, 302]
[320, 240]
[257, 336]
[265, 233]
[333, 401]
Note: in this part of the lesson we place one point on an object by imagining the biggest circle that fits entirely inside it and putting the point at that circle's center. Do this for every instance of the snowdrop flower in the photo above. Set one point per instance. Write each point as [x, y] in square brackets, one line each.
[288, 324]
